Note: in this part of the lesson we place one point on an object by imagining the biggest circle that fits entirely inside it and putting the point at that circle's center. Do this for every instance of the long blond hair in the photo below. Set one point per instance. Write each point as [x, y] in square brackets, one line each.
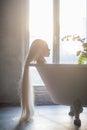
[36, 48]
[27, 99]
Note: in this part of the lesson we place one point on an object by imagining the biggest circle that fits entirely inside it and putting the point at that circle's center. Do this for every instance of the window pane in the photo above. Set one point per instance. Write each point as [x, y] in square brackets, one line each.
[72, 22]
[41, 22]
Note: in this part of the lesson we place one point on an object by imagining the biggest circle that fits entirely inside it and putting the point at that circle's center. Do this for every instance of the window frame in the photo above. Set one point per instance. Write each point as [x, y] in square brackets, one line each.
[56, 30]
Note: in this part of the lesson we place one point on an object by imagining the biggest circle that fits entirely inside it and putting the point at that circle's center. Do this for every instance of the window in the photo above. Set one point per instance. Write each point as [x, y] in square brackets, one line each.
[72, 22]
[51, 20]
[41, 26]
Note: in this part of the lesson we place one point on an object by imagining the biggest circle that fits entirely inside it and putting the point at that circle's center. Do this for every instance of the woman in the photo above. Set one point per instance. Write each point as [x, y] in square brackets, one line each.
[38, 50]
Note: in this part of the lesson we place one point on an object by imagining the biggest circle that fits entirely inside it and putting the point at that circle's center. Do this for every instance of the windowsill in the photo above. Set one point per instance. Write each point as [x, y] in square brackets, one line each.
[42, 96]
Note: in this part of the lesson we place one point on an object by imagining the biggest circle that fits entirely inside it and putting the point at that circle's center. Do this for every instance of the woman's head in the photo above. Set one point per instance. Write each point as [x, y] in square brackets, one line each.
[38, 50]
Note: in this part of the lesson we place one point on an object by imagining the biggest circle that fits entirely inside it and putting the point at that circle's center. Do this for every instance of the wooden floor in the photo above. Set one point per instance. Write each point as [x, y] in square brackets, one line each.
[53, 117]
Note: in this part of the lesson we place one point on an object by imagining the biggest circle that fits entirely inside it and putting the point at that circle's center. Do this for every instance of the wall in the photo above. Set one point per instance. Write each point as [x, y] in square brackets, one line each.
[13, 44]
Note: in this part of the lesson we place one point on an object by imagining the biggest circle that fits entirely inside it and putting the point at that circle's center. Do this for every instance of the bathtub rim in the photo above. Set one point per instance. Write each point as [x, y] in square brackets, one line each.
[60, 65]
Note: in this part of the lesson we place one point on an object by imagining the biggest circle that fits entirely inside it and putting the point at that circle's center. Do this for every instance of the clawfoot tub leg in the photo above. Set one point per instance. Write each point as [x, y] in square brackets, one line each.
[75, 110]
[71, 113]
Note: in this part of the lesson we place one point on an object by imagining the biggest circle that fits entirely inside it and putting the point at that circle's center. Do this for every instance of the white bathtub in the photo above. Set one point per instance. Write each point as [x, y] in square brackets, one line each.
[65, 82]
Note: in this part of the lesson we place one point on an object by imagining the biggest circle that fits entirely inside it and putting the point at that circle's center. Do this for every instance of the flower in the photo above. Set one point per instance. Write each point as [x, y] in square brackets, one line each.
[81, 53]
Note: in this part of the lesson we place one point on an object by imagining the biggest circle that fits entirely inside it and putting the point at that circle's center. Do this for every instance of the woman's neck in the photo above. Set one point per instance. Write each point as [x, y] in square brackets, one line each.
[41, 60]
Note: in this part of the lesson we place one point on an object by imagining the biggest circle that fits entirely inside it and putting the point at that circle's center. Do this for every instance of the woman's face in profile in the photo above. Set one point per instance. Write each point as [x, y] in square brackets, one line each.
[46, 51]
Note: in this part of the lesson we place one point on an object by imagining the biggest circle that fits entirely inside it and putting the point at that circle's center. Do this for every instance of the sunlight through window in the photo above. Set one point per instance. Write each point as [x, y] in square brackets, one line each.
[41, 21]
[72, 22]
[41, 27]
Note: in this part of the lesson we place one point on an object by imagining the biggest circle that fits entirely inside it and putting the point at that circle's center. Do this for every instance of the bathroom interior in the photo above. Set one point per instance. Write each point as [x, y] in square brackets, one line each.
[63, 24]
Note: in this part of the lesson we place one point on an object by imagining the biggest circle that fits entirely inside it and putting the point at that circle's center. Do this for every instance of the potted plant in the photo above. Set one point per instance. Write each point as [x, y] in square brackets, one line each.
[82, 54]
